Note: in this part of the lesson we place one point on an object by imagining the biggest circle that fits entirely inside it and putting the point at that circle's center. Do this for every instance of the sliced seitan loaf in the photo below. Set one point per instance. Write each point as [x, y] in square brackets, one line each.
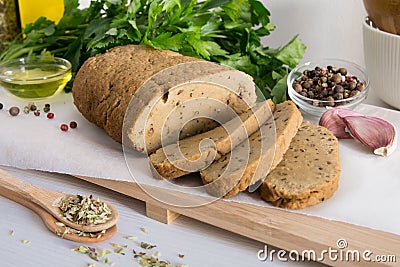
[309, 172]
[185, 157]
[106, 84]
[251, 161]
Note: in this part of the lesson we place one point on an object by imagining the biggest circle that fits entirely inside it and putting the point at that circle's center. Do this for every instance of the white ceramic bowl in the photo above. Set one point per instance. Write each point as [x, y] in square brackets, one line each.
[382, 61]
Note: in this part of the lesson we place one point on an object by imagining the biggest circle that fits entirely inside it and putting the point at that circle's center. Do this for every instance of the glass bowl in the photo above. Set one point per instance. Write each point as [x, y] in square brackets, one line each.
[35, 77]
[318, 106]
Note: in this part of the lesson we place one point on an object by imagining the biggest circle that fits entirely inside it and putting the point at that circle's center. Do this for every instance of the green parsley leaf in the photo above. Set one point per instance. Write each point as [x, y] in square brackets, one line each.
[228, 32]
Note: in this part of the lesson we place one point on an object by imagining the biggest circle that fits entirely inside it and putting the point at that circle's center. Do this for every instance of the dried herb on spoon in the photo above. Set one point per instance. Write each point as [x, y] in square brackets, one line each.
[85, 210]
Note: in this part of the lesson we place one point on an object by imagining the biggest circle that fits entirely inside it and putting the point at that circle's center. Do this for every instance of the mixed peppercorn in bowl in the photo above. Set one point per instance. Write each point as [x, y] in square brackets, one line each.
[328, 83]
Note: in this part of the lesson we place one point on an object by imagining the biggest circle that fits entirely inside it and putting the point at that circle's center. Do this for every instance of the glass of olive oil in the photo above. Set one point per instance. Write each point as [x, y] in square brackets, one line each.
[35, 77]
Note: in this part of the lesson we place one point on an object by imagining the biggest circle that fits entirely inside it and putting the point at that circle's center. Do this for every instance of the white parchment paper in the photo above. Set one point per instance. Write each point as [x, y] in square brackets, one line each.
[368, 193]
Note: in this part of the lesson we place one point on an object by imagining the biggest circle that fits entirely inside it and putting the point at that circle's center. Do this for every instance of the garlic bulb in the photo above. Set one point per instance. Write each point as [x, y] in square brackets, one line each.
[333, 121]
[376, 133]
[373, 132]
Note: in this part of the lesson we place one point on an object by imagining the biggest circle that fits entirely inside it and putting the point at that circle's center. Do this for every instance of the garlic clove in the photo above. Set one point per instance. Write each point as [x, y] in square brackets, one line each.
[376, 133]
[332, 119]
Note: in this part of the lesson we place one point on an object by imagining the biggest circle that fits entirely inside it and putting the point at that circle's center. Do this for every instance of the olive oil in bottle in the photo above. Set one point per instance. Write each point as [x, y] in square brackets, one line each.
[10, 25]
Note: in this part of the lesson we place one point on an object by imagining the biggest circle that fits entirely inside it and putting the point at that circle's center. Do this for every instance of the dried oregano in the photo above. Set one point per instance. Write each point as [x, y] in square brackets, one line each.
[85, 210]
[69, 230]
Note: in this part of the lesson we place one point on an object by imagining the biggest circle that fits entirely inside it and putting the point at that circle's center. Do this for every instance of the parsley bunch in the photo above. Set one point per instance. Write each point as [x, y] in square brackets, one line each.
[228, 32]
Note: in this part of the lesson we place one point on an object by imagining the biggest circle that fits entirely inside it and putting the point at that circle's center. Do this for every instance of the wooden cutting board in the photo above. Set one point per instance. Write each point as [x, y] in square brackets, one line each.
[284, 229]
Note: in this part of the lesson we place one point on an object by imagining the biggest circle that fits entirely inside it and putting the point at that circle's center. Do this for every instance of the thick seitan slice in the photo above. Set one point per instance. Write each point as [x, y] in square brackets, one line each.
[176, 160]
[309, 172]
[251, 161]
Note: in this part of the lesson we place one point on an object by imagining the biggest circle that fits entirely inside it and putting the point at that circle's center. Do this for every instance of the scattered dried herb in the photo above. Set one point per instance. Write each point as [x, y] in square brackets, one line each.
[142, 258]
[12, 233]
[93, 254]
[181, 256]
[144, 230]
[131, 237]
[25, 241]
[147, 245]
[119, 249]
[85, 210]
[152, 260]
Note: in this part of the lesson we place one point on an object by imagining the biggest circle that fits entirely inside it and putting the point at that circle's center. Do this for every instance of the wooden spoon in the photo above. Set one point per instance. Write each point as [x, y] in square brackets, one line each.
[48, 200]
[51, 222]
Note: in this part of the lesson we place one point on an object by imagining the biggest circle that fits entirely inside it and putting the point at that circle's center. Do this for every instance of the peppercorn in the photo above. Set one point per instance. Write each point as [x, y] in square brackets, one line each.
[14, 111]
[360, 87]
[33, 107]
[1, 106]
[354, 93]
[36, 112]
[26, 110]
[46, 108]
[336, 78]
[297, 87]
[339, 89]
[352, 85]
[331, 101]
[73, 124]
[306, 85]
[50, 115]
[338, 96]
[342, 71]
[64, 127]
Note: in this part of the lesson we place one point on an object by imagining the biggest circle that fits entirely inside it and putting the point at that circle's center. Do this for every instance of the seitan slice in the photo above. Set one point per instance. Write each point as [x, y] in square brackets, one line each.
[185, 157]
[309, 172]
[251, 161]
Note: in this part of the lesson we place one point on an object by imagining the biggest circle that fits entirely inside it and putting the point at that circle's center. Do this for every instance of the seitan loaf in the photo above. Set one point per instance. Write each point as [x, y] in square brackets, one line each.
[309, 172]
[179, 159]
[106, 83]
[251, 161]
